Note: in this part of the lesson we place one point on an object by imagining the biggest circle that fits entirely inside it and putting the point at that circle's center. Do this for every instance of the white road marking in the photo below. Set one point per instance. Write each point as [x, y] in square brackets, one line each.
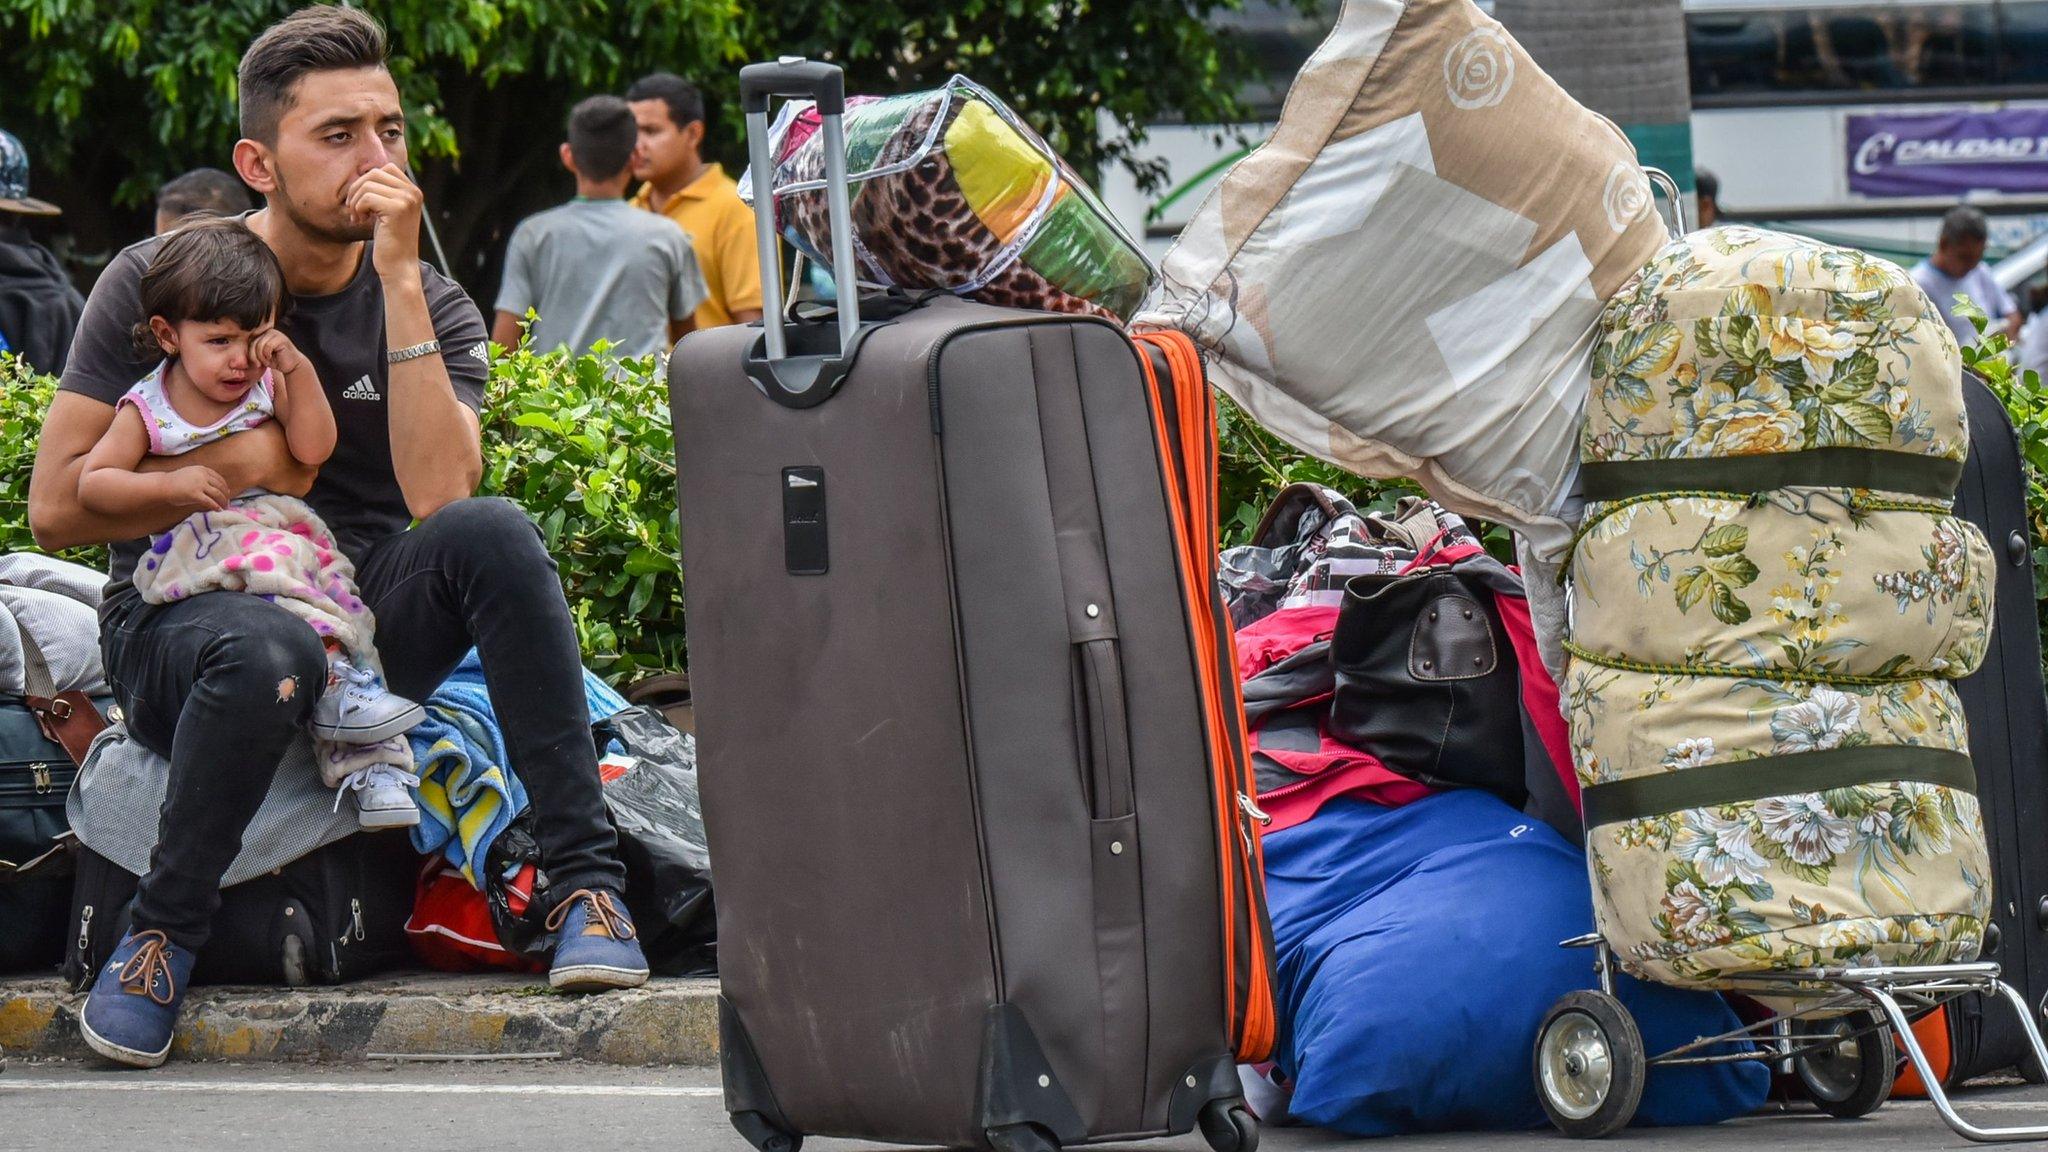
[152, 1084]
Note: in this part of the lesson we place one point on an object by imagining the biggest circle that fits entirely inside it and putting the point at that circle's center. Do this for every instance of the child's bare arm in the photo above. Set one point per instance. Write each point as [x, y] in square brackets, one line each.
[109, 484]
[300, 402]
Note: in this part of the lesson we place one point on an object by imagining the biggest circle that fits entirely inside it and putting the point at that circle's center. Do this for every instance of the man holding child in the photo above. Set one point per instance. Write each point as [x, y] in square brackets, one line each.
[220, 683]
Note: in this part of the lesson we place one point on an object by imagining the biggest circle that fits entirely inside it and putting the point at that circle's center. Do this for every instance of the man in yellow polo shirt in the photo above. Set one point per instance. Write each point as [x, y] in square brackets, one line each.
[699, 196]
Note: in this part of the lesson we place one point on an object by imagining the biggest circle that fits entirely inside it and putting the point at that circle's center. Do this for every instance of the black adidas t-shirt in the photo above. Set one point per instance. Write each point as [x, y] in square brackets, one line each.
[343, 335]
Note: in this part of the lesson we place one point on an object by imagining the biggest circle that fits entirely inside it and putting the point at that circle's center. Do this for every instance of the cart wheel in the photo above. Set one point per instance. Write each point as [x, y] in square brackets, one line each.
[1589, 1065]
[1853, 1077]
[1229, 1126]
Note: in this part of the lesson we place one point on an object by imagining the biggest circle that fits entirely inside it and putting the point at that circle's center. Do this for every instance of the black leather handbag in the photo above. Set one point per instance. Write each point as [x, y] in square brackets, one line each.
[1426, 680]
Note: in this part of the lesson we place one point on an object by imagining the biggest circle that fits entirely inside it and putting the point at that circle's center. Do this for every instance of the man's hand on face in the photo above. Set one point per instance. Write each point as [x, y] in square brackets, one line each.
[385, 195]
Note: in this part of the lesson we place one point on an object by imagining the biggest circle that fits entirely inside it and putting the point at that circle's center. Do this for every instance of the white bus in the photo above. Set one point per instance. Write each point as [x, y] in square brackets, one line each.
[1858, 123]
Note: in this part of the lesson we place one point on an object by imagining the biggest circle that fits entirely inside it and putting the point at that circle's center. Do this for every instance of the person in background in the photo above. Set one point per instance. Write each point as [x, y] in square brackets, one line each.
[596, 268]
[2033, 340]
[39, 308]
[678, 184]
[200, 190]
[1707, 190]
[1957, 267]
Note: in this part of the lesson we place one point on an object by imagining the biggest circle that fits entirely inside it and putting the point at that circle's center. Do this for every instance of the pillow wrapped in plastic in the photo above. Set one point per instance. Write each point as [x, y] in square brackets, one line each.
[1404, 280]
[951, 190]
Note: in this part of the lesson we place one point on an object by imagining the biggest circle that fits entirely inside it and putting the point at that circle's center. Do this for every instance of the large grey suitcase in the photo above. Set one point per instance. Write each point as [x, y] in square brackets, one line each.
[970, 885]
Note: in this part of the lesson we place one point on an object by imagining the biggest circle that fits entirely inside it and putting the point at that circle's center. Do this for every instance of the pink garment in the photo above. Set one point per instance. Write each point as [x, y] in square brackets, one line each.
[172, 435]
[1280, 634]
[1333, 769]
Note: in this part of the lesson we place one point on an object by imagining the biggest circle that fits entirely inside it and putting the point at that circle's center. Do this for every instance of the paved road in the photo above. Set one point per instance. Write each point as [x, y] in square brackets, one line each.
[551, 1107]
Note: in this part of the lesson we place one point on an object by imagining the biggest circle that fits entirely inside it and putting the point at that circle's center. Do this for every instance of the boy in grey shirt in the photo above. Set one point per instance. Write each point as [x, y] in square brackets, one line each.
[596, 268]
[1957, 268]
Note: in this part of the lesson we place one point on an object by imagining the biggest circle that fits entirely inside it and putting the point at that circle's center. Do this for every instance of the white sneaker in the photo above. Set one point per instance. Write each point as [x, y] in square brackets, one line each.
[383, 797]
[356, 708]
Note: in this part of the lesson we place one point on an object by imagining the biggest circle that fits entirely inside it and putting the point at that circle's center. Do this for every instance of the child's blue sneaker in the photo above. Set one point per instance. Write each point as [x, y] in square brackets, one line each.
[133, 1006]
[595, 950]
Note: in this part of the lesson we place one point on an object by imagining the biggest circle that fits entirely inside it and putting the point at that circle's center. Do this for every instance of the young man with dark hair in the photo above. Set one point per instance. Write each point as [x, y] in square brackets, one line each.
[596, 267]
[701, 197]
[39, 308]
[200, 190]
[221, 683]
[1957, 266]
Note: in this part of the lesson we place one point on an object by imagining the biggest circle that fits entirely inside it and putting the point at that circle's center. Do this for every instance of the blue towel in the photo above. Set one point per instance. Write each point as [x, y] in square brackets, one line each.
[468, 792]
[1417, 951]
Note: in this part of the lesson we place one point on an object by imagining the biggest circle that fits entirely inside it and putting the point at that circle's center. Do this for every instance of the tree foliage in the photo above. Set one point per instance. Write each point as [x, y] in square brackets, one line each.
[115, 96]
[1061, 64]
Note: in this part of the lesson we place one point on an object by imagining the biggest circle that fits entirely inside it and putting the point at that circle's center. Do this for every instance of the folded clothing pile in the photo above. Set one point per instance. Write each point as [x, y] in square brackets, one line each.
[951, 190]
[1770, 595]
[1385, 655]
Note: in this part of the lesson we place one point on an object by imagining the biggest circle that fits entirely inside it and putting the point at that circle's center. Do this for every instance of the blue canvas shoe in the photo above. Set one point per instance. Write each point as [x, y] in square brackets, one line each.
[595, 950]
[133, 1006]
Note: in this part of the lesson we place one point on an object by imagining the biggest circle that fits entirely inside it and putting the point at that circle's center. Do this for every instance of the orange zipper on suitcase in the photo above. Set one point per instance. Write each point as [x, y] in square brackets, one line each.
[1188, 456]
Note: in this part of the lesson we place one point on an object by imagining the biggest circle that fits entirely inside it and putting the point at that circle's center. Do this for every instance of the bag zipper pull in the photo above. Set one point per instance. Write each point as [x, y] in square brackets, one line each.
[40, 773]
[1252, 809]
[355, 912]
[84, 930]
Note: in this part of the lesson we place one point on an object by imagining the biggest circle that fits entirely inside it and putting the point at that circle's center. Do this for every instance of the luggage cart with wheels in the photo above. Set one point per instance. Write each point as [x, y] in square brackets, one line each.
[1590, 1062]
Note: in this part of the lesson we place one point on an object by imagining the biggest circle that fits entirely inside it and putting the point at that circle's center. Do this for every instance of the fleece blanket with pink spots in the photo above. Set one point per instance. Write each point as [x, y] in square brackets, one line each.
[270, 546]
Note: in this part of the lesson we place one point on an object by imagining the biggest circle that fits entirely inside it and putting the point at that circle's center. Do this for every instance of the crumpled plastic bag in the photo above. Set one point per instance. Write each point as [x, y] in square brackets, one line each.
[654, 805]
[650, 793]
[951, 190]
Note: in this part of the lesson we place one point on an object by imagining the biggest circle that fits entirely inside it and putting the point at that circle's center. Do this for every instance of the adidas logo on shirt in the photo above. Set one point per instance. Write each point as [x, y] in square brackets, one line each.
[362, 389]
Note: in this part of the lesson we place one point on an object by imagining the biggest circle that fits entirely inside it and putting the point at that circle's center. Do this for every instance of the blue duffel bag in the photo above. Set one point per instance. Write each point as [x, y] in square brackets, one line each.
[1418, 952]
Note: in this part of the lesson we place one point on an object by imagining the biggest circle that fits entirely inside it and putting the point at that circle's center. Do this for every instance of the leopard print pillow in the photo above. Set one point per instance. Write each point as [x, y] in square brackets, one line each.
[915, 229]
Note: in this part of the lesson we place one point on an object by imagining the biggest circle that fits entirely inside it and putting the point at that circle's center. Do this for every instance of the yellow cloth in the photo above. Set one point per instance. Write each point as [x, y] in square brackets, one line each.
[1000, 173]
[721, 229]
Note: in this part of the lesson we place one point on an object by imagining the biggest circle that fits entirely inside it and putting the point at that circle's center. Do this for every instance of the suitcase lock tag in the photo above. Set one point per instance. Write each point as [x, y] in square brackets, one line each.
[804, 549]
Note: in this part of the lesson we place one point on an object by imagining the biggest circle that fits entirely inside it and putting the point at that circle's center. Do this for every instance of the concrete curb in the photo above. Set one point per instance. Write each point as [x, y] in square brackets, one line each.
[667, 1022]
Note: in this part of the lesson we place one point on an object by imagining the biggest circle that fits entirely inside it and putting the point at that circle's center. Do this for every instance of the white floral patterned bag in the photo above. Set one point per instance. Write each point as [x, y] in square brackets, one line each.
[1769, 595]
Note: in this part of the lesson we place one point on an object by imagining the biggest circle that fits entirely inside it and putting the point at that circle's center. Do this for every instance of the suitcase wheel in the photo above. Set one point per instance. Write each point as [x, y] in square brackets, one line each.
[764, 1135]
[1229, 1126]
[1021, 1138]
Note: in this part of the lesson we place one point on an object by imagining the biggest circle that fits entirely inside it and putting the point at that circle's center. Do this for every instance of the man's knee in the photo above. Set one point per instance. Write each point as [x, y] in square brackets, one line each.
[487, 528]
[268, 655]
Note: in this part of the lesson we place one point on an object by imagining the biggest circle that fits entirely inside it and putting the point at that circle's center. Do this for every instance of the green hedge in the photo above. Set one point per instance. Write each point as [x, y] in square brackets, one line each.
[584, 444]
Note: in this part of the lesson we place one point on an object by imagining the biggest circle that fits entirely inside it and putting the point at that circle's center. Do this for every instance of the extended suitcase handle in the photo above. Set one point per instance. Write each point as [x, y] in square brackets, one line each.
[792, 77]
[811, 376]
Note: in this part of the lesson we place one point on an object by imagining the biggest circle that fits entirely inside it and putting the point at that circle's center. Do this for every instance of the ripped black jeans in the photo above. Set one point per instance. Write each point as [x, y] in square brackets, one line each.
[221, 683]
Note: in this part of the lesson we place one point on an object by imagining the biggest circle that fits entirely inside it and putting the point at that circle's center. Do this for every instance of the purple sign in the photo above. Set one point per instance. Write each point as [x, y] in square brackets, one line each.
[1949, 153]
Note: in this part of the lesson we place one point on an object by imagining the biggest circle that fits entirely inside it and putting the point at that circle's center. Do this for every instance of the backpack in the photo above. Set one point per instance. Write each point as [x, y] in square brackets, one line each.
[309, 899]
[43, 731]
[334, 915]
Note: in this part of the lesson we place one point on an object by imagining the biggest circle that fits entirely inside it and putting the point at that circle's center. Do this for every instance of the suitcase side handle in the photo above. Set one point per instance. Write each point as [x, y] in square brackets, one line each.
[811, 376]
